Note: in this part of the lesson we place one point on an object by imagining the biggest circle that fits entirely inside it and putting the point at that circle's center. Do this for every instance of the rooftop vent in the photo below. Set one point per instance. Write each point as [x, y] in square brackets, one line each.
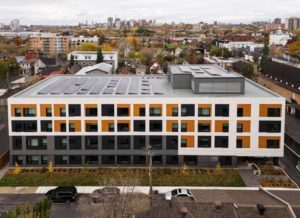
[218, 205]
[261, 209]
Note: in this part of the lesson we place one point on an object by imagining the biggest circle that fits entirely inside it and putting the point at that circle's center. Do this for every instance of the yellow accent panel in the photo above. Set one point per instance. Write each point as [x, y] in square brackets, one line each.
[169, 109]
[77, 124]
[57, 124]
[204, 106]
[90, 106]
[190, 140]
[43, 108]
[219, 125]
[246, 125]
[137, 108]
[246, 109]
[190, 125]
[105, 125]
[263, 109]
[169, 125]
[263, 140]
[156, 106]
[246, 141]
[57, 108]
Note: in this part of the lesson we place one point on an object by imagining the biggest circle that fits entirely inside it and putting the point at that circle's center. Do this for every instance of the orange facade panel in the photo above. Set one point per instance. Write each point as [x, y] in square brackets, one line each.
[106, 124]
[127, 106]
[190, 125]
[170, 109]
[219, 125]
[43, 108]
[170, 125]
[190, 141]
[57, 125]
[21, 107]
[246, 109]
[263, 109]
[136, 109]
[90, 106]
[263, 140]
[57, 108]
[245, 140]
[246, 125]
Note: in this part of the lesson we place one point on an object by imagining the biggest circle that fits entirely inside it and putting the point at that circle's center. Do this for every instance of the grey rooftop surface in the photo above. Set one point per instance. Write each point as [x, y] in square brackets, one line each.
[125, 86]
[204, 71]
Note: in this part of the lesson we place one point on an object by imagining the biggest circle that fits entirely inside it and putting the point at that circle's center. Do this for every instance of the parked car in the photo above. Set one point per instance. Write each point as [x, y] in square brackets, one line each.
[62, 194]
[179, 192]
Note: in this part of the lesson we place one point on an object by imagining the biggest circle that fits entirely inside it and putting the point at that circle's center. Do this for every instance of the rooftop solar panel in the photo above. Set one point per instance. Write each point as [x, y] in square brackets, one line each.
[97, 89]
[134, 86]
[122, 87]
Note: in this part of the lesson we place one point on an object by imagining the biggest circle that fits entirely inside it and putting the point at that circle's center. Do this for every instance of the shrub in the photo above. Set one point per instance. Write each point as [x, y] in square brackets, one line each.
[17, 169]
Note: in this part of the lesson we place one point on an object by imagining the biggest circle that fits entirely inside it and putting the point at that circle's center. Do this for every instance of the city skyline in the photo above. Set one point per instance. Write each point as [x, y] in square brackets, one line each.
[66, 12]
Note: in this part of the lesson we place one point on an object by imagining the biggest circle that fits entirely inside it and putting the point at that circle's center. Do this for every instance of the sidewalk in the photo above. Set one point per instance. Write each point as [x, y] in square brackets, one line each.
[4, 170]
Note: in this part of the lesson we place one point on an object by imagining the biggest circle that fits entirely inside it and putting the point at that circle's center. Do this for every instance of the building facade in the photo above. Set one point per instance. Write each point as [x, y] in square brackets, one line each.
[76, 42]
[198, 115]
[292, 23]
[279, 38]
[88, 58]
[50, 43]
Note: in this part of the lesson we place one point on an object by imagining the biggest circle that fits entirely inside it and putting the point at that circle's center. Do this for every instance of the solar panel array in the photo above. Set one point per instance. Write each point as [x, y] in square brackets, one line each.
[106, 85]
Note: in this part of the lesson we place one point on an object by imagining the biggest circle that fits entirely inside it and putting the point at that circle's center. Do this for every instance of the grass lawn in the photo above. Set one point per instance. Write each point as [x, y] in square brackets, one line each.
[100, 176]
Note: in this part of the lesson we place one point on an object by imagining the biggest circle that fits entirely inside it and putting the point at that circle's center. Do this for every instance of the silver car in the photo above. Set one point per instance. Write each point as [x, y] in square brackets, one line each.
[179, 192]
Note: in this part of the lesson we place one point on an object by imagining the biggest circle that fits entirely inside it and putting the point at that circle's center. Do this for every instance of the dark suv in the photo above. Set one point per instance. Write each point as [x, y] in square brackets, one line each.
[62, 194]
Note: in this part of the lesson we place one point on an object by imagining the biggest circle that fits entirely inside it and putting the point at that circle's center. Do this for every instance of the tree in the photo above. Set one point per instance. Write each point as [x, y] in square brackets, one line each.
[106, 47]
[248, 70]
[265, 58]
[89, 47]
[221, 52]
[294, 49]
[101, 39]
[100, 57]
[50, 167]
[71, 64]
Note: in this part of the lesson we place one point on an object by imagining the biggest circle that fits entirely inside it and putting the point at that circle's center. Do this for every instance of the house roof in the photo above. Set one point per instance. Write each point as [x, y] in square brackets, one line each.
[48, 61]
[103, 67]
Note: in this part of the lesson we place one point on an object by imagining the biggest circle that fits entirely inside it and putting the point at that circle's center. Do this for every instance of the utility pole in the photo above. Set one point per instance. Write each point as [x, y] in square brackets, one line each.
[149, 153]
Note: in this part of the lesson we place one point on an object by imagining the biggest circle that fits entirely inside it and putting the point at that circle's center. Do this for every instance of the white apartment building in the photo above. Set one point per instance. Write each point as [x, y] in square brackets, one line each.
[279, 38]
[76, 42]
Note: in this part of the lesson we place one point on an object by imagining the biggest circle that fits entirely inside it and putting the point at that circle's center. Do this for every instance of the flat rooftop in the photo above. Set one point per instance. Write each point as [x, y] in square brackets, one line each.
[204, 71]
[124, 86]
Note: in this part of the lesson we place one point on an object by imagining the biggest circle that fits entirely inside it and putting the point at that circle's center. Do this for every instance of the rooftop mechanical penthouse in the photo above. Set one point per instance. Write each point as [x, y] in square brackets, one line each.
[197, 114]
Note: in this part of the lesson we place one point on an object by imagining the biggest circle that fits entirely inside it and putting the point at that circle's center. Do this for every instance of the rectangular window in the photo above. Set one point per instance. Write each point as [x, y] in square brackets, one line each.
[142, 112]
[46, 126]
[139, 159]
[273, 143]
[91, 159]
[17, 142]
[174, 127]
[123, 112]
[61, 142]
[239, 143]
[75, 160]
[139, 142]
[172, 143]
[174, 111]
[32, 160]
[44, 159]
[183, 143]
[204, 112]
[18, 112]
[108, 142]
[71, 127]
[62, 112]
[183, 127]
[171, 160]
[203, 127]
[111, 127]
[61, 159]
[156, 142]
[222, 110]
[225, 127]
[123, 127]
[74, 110]
[154, 112]
[270, 126]
[91, 142]
[239, 127]
[91, 127]
[139, 125]
[124, 142]
[108, 110]
[123, 159]
[108, 159]
[91, 112]
[204, 141]
[240, 112]
[187, 110]
[155, 125]
[29, 112]
[221, 141]
[274, 112]
[75, 142]
[48, 112]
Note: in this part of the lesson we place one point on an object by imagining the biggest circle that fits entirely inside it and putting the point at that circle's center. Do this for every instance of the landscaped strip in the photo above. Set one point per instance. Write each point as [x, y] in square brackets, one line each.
[100, 176]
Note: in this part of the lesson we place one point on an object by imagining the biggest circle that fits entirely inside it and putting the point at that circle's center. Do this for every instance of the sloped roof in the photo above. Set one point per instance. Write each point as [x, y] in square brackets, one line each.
[103, 67]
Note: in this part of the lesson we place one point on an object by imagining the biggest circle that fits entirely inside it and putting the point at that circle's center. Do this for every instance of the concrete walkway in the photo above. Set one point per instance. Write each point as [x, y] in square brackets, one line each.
[4, 170]
[249, 178]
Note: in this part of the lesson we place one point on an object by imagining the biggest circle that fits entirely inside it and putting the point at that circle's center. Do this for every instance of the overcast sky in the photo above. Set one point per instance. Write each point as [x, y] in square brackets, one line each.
[192, 11]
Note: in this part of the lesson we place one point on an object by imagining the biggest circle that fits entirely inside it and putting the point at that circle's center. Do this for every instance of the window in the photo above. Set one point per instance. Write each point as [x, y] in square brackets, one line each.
[190, 160]
[155, 112]
[17, 159]
[221, 141]
[183, 143]
[273, 143]
[274, 112]
[91, 142]
[17, 142]
[183, 127]
[123, 142]
[32, 160]
[91, 112]
[36, 143]
[63, 127]
[46, 126]
[61, 159]
[139, 125]
[48, 112]
[155, 125]
[157, 160]
[44, 159]
[270, 126]
[71, 127]
[61, 142]
[139, 142]
[108, 160]
[123, 159]
[74, 110]
[29, 112]
[203, 127]
[142, 112]
[239, 143]
[156, 142]
[111, 127]
[174, 111]
[108, 142]
[123, 112]
[225, 127]
[24, 126]
[108, 110]
[174, 127]
[91, 159]
[240, 112]
[75, 142]
[172, 160]
[204, 112]
[187, 110]
[139, 159]
[204, 141]
[62, 112]
[92, 127]
[222, 110]
[75, 160]
[239, 127]
[172, 143]
[18, 112]
[123, 127]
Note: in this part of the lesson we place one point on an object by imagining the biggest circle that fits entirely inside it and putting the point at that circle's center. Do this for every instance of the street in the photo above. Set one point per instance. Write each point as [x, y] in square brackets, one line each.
[288, 163]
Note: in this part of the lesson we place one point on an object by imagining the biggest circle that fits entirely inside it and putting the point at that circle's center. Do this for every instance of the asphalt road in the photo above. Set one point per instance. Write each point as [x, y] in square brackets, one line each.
[288, 163]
